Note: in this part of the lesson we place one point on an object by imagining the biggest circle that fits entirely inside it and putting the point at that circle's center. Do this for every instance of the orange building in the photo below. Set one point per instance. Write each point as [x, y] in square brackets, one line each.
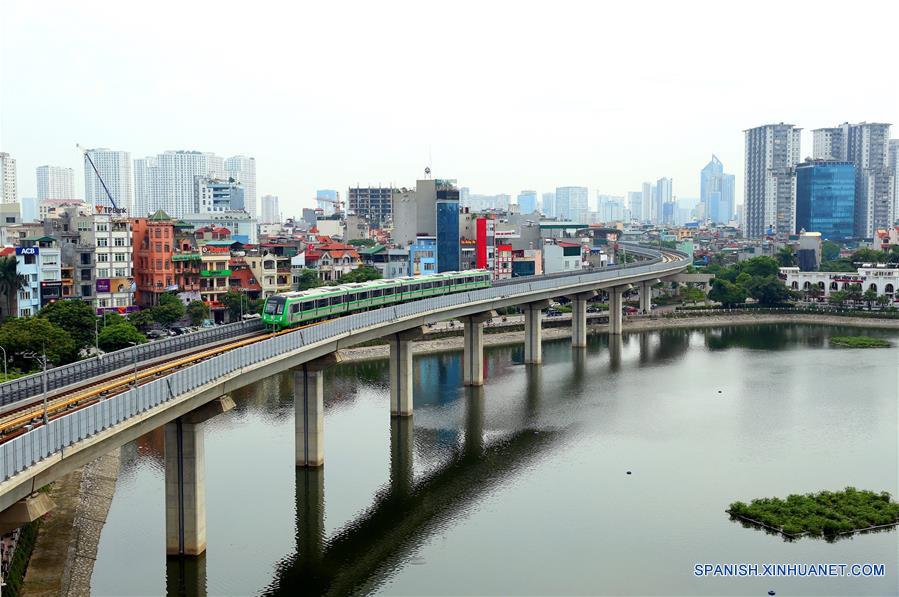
[153, 241]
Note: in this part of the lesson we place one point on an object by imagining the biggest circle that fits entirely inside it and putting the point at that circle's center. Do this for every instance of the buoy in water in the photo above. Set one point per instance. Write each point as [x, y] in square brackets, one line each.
[771, 592]
[628, 472]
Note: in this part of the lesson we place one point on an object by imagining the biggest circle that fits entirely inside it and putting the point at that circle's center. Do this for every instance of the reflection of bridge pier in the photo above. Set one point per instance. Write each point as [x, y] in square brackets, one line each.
[185, 577]
[402, 445]
[474, 421]
[615, 349]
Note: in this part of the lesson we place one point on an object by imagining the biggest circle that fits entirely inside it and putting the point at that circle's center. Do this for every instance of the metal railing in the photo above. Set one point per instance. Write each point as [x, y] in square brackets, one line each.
[25, 450]
[29, 386]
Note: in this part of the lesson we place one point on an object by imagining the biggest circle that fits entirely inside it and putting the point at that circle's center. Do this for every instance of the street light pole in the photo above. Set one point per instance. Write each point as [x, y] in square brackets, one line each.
[42, 359]
[134, 363]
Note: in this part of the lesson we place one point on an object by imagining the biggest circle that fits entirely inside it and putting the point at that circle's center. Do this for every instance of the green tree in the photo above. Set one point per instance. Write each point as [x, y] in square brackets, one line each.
[868, 256]
[75, 317]
[785, 256]
[689, 294]
[11, 282]
[197, 311]
[838, 297]
[769, 291]
[830, 251]
[727, 293]
[169, 310]
[882, 301]
[141, 319]
[361, 242]
[235, 303]
[308, 279]
[36, 334]
[120, 335]
[855, 293]
[814, 292]
[870, 297]
[363, 273]
[760, 266]
[839, 265]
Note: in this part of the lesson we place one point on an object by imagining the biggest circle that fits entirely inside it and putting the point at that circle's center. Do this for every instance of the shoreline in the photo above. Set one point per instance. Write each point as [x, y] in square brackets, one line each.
[511, 338]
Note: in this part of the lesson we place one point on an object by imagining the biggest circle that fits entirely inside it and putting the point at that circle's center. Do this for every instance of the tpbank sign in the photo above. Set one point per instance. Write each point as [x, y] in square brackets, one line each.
[27, 251]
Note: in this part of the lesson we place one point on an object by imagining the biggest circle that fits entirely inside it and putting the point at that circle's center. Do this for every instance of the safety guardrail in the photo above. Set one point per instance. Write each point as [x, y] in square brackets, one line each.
[28, 449]
[58, 377]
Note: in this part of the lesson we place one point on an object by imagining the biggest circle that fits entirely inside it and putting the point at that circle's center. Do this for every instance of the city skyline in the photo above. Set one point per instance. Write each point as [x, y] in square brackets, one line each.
[304, 140]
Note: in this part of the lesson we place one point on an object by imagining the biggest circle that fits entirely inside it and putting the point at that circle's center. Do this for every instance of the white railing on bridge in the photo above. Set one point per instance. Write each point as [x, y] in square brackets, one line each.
[28, 449]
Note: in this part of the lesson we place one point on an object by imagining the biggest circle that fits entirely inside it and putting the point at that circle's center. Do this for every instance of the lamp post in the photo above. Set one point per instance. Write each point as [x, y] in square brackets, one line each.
[134, 363]
[42, 359]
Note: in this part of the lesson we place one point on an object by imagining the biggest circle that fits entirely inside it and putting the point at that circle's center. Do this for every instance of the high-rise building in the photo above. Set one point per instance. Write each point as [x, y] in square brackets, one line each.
[635, 204]
[217, 195]
[867, 145]
[326, 200]
[772, 152]
[571, 204]
[8, 191]
[648, 192]
[143, 186]
[894, 168]
[663, 196]
[115, 169]
[167, 182]
[527, 202]
[447, 213]
[271, 210]
[243, 170]
[825, 198]
[375, 204]
[548, 205]
[55, 182]
[716, 192]
[610, 208]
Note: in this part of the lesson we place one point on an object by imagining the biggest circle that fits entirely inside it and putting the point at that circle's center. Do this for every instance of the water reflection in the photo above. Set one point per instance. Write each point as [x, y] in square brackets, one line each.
[185, 576]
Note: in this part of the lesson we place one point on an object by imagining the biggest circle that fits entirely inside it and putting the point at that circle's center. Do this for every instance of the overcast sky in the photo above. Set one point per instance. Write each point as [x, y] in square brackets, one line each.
[500, 96]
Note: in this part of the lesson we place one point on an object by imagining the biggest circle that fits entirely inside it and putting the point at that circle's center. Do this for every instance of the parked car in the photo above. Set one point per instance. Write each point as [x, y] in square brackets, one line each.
[157, 334]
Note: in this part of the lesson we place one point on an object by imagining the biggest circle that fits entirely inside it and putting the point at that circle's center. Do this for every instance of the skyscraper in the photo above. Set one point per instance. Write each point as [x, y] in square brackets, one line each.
[326, 200]
[447, 208]
[548, 205]
[271, 210]
[115, 168]
[243, 170]
[55, 182]
[646, 202]
[571, 204]
[217, 195]
[772, 152]
[167, 181]
[8, 191]
[527, 202]
[716, 192]
[143, 186]
[894, 168]
[664, 196]
[825, 198]
[635, 204]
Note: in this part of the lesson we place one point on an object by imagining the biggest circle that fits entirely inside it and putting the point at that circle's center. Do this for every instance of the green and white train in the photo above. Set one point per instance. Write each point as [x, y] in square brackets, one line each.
[293, 308]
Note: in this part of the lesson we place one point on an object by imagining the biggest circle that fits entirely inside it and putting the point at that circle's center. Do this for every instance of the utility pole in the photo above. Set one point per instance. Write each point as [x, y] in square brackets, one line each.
[42, 359]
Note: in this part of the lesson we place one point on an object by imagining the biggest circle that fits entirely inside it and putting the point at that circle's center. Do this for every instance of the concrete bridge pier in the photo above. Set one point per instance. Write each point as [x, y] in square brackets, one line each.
[616, 303]
[646, 295]
[579, 318]
[401, 371]
[533, 332]
[473, 351]
[185, 480]
[309, 410]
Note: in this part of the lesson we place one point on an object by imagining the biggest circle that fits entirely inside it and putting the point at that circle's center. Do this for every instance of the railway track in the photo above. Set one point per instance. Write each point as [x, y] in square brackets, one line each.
[28, 416]
[31, 415]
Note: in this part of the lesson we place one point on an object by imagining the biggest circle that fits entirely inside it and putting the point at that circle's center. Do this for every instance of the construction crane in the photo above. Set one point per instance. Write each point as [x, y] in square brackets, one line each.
[87, 156]
[338, 204]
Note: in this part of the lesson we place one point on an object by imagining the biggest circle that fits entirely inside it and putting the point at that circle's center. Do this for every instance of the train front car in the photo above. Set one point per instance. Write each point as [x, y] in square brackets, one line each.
[274, 313]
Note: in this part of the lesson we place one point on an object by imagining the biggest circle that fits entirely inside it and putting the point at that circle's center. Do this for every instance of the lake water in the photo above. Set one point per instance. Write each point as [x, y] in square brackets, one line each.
[521, 487]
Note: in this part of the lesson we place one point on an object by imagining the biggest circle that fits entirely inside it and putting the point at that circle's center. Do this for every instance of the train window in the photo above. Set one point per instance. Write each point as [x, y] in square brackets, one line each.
[362, 296]
[321, 303]
[336, 300]
[414, 287]
[350, 298]
[469, 279]
[428, 284]
[307, 306]
[388, 291]
[376, 293]
[294, 308]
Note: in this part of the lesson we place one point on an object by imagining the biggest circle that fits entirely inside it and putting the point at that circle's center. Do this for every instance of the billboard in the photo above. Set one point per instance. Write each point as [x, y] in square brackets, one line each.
[116, 285]
[27, 251]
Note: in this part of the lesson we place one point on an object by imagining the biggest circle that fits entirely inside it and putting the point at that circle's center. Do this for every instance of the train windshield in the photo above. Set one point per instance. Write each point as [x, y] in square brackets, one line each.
[274, 306]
